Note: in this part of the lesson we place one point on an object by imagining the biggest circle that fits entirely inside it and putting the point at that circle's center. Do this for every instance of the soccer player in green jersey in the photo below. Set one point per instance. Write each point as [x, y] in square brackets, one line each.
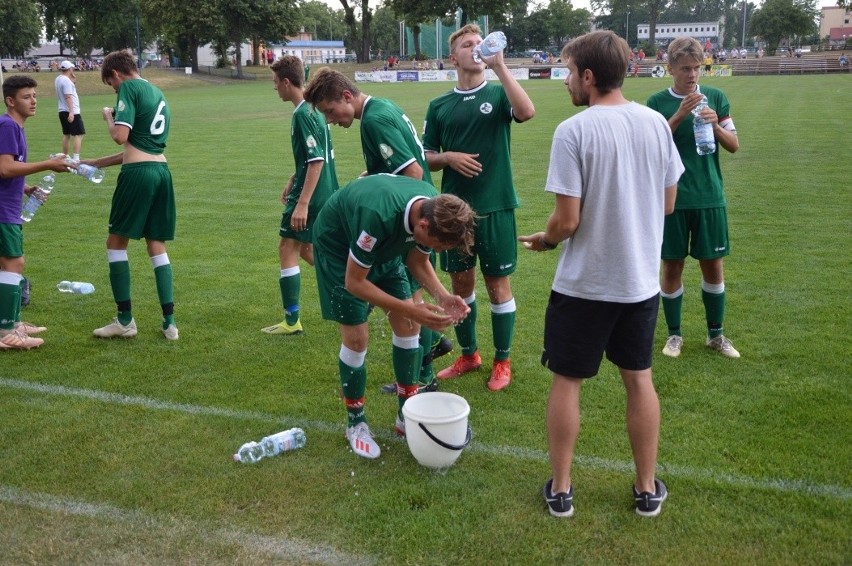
[19, 95]
[467, 135]
[306, 191]
[390, 145]
[143, 205]
[699, 225]
[362, 236]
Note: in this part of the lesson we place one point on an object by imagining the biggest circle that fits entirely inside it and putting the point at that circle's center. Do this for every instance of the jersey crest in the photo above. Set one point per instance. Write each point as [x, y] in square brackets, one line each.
[311, 142]
[486, 108]
[385, 150]
[121, 106]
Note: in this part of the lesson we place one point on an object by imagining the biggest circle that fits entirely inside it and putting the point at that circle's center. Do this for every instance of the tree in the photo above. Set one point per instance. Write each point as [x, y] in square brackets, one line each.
[781, 19]
[327, 24]
[655, 9]
[20, 26]
[185, 25]
[244, 19]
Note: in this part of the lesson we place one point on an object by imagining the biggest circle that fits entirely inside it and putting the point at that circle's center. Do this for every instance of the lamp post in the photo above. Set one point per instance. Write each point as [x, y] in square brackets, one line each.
[627, 28]
[745, 7]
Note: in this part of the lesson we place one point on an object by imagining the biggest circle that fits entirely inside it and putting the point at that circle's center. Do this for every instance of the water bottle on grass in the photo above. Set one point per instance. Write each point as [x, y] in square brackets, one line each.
[272, 445]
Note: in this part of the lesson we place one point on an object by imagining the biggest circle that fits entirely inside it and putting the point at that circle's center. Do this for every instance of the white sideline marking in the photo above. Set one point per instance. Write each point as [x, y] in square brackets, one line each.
[283, 548]
[774, 484]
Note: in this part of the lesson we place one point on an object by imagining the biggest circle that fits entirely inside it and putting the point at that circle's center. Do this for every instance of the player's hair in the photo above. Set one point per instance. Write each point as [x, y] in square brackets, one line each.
[685, 48]
[451, 220]
[121, 61]
[13, 84]
[603, 53]
[328, 85]
[465, 30]
[289, 67]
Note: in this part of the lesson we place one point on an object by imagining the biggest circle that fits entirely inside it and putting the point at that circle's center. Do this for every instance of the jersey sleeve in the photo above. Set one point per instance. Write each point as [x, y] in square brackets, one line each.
[384, 144]
[125, 108]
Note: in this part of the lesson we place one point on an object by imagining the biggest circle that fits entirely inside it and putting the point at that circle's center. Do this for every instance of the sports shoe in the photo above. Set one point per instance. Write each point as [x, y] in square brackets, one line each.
[399, 426]
[390, 388]
[361, 441]
[501, 375]
[283, 328]
[674, 344]
[29, 329]
[650, 504]
[723, 346]
[441, 347]
[16, 339]
[559, 504]
[116, 330]
[25, 292]
[171, 332]
[461, 366]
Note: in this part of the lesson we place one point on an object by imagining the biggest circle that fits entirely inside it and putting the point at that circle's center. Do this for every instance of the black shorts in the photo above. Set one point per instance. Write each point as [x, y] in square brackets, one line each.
[75, 128]
[577, 332]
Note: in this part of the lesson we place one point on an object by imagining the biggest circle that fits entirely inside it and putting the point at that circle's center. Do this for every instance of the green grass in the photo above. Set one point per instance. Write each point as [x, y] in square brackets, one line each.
[119, 452]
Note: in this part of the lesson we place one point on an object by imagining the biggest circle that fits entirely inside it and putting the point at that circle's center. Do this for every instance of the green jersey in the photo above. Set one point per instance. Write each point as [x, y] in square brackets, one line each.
[311, 142]
[475, 121]
[701, 185]
[389, 140]
[142, 107]
[367, 220]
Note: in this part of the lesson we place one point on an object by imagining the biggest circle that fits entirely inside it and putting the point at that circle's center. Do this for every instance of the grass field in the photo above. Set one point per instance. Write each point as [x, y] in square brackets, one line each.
[119, 452]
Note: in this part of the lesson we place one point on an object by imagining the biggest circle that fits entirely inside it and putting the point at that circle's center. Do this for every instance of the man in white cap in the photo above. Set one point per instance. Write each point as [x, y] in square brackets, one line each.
[69, 109]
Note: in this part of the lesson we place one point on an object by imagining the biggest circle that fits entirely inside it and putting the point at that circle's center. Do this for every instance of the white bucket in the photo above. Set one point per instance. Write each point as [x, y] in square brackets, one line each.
[436, 428]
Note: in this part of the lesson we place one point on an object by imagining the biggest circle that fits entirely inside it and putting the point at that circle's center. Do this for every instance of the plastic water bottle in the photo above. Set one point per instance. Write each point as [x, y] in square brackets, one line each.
[77, 287]
[493, 43]
[705, 142]
[90, 172]
[272, 445]
[37, 197]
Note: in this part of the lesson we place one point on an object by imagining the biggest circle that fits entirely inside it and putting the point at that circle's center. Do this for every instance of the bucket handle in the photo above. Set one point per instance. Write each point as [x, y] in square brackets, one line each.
[446, 445]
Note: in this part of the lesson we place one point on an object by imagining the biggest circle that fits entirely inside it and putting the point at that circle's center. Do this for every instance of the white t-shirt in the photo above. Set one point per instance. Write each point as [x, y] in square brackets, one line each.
[65, 86]
[618, 161]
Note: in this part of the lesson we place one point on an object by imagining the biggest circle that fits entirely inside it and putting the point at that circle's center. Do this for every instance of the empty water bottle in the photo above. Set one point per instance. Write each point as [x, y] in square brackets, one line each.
[77, 287]
[493, 43]
[705, 141]
[37, 197]
[271, 445]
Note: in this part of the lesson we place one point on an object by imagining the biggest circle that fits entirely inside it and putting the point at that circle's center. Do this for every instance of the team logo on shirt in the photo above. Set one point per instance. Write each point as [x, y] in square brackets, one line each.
[311, 142]
[486, 108]
[120, 107]
[385, 150]
[366, 242]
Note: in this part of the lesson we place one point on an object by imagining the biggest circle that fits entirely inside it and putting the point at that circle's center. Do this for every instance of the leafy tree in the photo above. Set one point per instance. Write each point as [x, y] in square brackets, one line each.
[257, 19]
[781, 19]
[319, 17]
[184, 26]
[20, 26]
[618, 9]
[385, 32]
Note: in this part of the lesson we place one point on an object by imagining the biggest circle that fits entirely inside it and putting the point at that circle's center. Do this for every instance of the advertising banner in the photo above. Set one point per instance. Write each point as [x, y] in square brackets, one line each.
[540, 73]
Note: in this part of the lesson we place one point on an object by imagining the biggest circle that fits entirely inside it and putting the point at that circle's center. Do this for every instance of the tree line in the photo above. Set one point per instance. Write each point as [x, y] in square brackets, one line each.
[179, 27]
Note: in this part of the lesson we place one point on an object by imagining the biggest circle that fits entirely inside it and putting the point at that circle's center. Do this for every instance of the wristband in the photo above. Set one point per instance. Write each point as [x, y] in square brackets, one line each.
[545, 244]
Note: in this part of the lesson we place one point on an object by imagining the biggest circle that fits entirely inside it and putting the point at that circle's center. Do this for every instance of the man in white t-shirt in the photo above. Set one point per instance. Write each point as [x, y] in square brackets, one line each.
[69, 109]
[614, 170]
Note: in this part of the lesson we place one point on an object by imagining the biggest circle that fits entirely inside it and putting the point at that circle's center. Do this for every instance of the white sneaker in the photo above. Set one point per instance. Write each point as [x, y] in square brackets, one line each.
[361, 441]
[171, 332]
[723, 346]
[399, 426]
[674, 343]
[116, 330]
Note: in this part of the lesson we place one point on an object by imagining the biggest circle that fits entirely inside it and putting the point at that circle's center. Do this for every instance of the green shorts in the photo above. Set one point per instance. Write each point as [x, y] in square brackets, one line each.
[700, 233]
[305, 236]
[11, 240]
[495, 244]
[341, 306]
[143, 204]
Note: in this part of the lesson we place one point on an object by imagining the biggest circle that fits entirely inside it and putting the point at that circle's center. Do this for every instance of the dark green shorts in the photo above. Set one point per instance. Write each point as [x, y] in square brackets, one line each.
[143, 205]
[701, 233]
[341, 306]
[11, 240]
[495, 244]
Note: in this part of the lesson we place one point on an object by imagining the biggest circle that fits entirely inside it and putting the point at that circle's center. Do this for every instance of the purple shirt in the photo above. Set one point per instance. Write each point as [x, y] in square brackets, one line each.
[12, 142]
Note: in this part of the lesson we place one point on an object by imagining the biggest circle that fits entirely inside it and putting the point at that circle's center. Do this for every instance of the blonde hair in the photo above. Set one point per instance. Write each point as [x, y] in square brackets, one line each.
[451, 220]
[685, 48]
[465, 30]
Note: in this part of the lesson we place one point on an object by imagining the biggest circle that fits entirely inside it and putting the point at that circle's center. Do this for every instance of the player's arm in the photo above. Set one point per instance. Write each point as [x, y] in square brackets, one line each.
[670, 197]
[118, 132]
[69, 102]
[299, 219]
[523, 108]
[450, 309]
[561, 225]
[106, 161]
[10, 167]
[413, 170]
[463, 163]
[726, 133]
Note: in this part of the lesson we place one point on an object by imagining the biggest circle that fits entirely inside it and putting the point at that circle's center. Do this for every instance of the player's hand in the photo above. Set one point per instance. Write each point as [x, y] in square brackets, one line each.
[454, 307]
[493, 60]
[431, 316]
[299, 219]
[59, 164]
[464, 163]
[534, 242]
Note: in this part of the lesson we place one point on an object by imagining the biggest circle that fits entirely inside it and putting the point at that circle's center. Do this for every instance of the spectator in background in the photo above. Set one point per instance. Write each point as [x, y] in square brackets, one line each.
[743, 53]
[69, 109]
[843, 61]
